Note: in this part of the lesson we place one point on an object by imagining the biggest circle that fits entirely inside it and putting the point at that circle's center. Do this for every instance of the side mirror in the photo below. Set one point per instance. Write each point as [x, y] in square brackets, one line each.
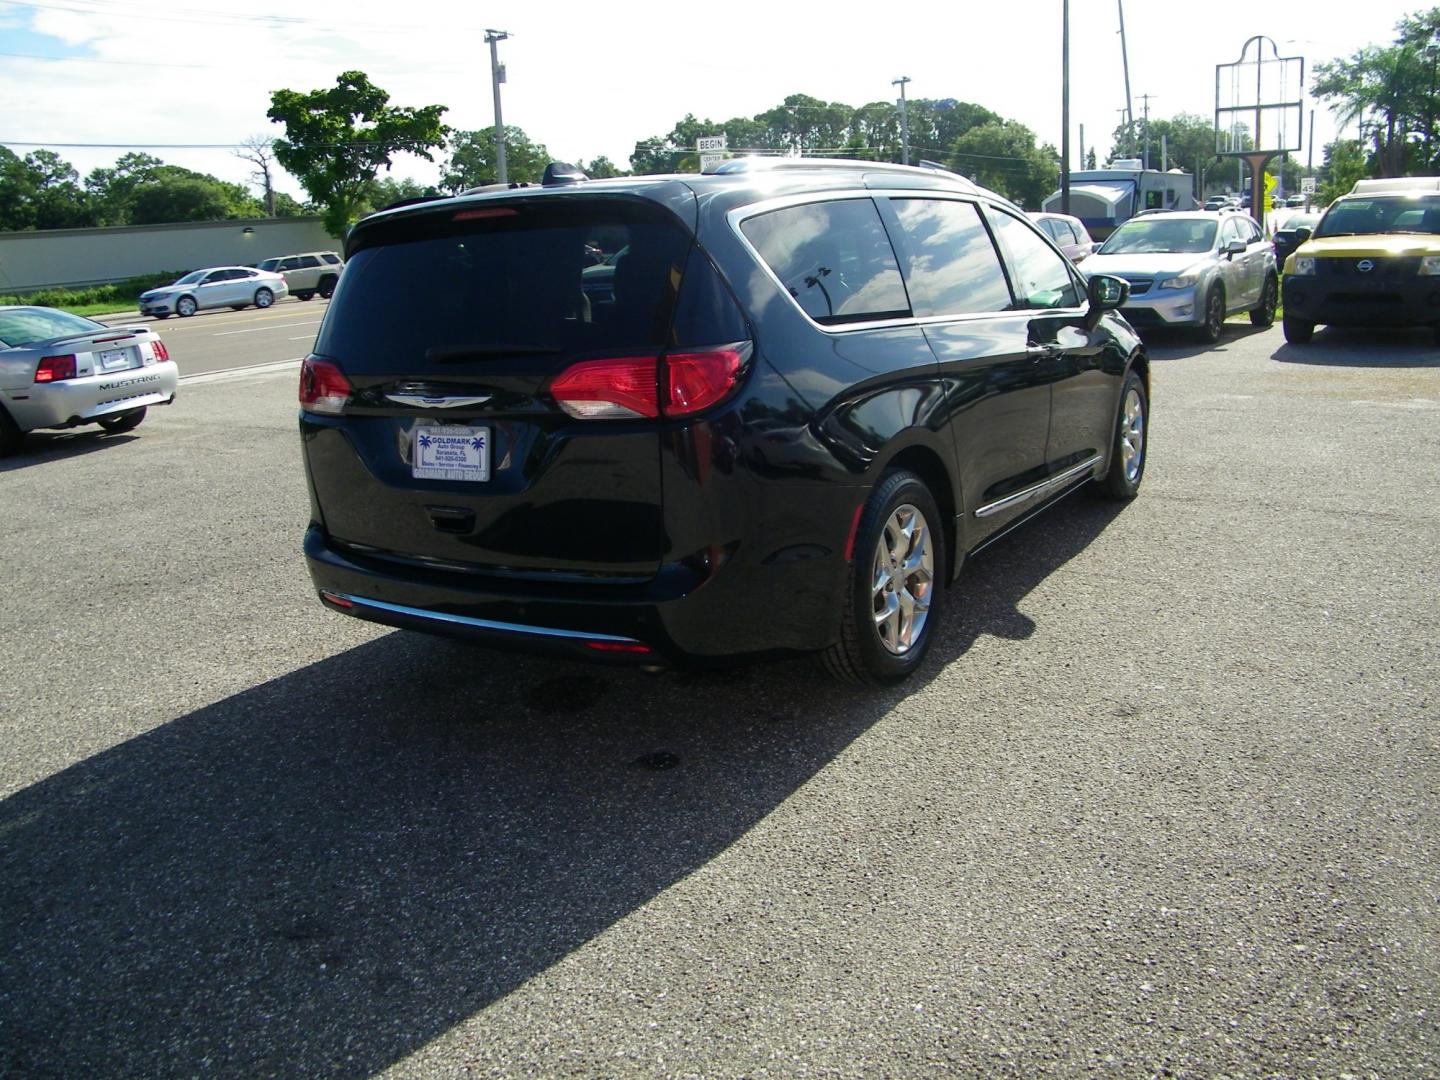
[1302, 234]
[1105, 293]
[1235, 247]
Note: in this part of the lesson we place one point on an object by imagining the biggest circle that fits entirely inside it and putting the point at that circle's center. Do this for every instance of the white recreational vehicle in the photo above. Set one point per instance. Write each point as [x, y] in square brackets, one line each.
[1103, 198]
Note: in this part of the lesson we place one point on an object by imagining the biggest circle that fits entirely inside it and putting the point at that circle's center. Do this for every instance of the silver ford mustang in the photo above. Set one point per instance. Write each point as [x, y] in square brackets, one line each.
[58, 370]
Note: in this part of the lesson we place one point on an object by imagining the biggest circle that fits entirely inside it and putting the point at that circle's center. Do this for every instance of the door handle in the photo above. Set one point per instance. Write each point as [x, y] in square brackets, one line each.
[1048, 351]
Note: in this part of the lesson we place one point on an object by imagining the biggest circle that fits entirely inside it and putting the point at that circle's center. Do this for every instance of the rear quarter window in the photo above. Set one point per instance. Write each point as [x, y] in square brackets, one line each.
[834, 258]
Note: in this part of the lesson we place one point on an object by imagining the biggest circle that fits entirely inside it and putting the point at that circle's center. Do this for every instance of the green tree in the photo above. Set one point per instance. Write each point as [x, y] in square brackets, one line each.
[1382, 87]
[41, 191]
[338, 139]
[170, 198]
[1003, 156]
[473, 161]
[600, 168]
[386, 191]
[1344, 164]
[112, 191]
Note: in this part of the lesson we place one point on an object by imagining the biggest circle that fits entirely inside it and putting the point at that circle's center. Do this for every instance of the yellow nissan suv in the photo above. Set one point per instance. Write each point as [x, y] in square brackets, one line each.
[1373, 260]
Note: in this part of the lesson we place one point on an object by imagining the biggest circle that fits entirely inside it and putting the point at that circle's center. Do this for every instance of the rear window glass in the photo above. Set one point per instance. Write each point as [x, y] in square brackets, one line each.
[526, 277]
[834, 258]
[21, 326]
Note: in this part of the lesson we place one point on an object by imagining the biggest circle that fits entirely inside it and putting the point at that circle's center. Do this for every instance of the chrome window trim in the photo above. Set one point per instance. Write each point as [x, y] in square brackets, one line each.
[480, 624]
[1034, 490]
[735, 218]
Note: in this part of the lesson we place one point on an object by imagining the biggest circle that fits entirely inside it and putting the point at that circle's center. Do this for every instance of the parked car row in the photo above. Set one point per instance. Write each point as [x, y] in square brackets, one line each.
[238, 287]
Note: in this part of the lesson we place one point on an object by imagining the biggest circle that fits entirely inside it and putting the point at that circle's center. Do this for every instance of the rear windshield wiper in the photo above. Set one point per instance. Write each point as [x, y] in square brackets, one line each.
[454, 354]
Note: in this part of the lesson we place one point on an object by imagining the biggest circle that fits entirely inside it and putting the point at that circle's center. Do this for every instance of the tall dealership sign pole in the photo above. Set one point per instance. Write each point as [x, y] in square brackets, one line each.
[1065, 106]
[1265, 94]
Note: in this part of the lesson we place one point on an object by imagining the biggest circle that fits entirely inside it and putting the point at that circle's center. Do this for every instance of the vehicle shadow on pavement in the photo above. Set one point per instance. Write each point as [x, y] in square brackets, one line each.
[1183, 344]
[1337, 347]
[323, 873]
[40, 447]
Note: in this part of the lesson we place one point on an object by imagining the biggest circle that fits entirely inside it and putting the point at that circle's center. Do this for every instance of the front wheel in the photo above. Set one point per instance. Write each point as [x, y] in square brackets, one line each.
[1263, 314]
[893, 596]
[1214, 316]
[186, 306]
[123, 422]
[327, 287]
[1297, 331]
[264, 298]
[1127, 448]
[10, 434]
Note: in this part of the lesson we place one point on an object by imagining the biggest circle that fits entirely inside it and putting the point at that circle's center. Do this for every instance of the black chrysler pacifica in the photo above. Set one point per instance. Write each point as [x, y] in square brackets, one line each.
[693, 418]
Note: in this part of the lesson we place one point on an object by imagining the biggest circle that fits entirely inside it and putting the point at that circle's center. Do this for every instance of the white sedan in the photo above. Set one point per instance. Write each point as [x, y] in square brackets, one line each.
[220, 286]
[58, 370]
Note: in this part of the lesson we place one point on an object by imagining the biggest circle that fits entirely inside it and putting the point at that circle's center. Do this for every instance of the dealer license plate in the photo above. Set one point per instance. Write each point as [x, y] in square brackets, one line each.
[114, 359]
[451, 453]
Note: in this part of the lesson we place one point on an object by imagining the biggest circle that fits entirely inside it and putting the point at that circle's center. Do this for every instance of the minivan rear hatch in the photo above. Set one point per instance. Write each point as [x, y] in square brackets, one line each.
[431, 434]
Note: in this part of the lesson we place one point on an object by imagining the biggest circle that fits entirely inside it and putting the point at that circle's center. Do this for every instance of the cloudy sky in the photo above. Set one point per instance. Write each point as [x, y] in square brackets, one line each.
[592, 78]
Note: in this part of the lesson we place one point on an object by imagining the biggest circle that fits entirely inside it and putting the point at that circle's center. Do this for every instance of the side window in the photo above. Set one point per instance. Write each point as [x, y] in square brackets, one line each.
[834, 258]
[289, 264]
[1152, 200]
[953, 268]
[333, 260]
[307, 261]
[214, 276]
[1040, 275]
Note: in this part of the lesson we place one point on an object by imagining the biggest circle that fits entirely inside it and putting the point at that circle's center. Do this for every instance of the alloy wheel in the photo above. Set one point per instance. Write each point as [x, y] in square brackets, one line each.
[1132, 436]
[903, 579]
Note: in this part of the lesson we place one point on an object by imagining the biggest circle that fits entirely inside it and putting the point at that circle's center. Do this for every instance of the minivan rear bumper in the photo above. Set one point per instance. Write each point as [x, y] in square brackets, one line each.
[686, 615]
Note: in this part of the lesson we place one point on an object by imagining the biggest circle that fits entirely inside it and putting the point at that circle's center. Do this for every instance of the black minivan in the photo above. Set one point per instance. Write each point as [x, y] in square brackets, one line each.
[696, 418]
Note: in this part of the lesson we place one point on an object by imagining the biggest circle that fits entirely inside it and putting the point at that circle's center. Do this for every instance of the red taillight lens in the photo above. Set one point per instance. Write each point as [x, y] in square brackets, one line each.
[323, 387]
[695, 381]
[617, 646]
[632, 387]
[624, 388]
[161, 352]
[55, 368]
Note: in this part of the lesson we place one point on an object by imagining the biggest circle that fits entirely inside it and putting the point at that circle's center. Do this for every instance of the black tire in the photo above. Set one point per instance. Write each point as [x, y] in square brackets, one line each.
[264, 298]
[862, 655]
[157, 318]
[127, 421]
[10, 435]
[1297, 331]
[1263, 313]
[186, 306]
[327, 287]
[238, 307]
[1214, 316]
[303, 295]
[1130, 443]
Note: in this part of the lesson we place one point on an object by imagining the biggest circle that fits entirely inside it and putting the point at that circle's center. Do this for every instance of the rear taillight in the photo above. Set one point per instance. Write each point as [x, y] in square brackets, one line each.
[634, 387]
[56, 368]
[621, 388]
[161, 352]
[323, 387]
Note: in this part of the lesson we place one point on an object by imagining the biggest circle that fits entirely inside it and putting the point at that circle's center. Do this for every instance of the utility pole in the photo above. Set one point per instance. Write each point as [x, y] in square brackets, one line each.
[1065, 108]
[1145, 102]
[1125, 60]
[1082, 146]
[497, 76]
[904, 120]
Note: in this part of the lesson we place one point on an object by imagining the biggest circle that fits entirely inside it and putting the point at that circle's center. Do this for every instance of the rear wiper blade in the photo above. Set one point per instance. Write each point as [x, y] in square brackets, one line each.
[450, 354]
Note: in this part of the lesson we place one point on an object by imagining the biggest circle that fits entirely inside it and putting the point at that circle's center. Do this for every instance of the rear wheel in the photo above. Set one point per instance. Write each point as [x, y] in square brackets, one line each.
[237, 307]
[10, 434]
[1297, 331]
[264, 298]
[185, 306]
[303, 295]
[892, 599]
[1263, 314]
[1127, 450]
[1214, 316]
[327, 287]
[123, 422]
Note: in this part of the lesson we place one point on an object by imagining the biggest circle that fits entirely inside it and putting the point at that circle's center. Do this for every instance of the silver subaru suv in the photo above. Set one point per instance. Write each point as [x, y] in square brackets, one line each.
[308, 274]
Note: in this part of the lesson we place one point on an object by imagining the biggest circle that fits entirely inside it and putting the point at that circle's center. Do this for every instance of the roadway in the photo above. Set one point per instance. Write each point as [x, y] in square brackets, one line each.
[226, 340]
[1164, 800]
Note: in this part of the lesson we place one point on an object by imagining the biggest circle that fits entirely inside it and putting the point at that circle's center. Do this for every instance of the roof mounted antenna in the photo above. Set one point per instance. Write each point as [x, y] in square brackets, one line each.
[558, 173]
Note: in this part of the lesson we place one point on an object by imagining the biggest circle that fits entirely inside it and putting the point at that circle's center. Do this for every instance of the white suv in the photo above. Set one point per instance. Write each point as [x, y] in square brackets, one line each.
[308, 274]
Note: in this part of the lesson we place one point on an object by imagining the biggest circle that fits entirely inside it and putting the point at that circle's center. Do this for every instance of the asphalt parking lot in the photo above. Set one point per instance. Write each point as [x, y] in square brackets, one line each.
[1165, 800]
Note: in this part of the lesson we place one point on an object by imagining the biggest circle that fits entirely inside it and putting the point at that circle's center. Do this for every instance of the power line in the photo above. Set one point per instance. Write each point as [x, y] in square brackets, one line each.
[94, 60]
